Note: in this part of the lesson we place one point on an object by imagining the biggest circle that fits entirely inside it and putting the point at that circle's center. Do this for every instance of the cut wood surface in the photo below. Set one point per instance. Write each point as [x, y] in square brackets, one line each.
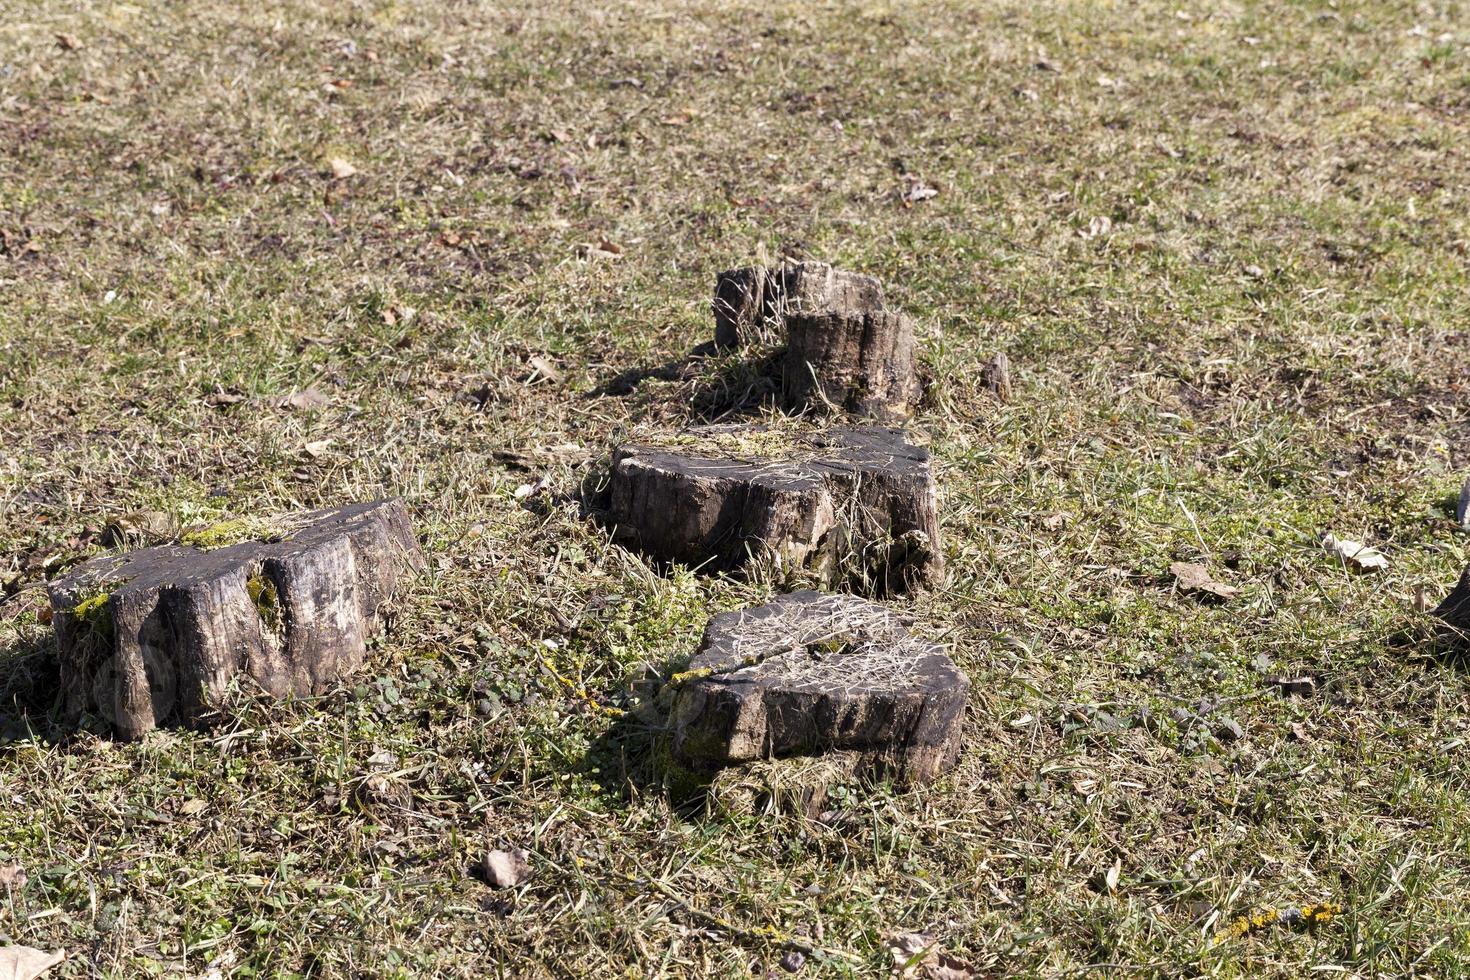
[809, 674]
[854, 506]
[158, 635]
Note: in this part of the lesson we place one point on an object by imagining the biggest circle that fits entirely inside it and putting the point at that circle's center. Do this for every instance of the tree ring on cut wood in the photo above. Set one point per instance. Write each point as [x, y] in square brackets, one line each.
[811, 674]
[852, 507]
[158, 635]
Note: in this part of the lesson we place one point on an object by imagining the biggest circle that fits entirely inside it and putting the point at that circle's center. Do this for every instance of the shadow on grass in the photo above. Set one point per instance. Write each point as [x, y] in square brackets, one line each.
[30, 692]
[684, 368]
[736, 388]
[632, 758]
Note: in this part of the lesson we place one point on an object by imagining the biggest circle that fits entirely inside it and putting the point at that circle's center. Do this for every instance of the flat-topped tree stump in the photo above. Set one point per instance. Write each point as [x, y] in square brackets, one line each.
[854, 507]
[811, 674]
[845, 350]
[158, 635]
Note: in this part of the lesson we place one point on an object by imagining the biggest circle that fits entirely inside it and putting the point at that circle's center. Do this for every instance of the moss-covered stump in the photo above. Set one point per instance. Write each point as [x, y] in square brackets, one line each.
[850, 507]
[809, 674]
[158, 635]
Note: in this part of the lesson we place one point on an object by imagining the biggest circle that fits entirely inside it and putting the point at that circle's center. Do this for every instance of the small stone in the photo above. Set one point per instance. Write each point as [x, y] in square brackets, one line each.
[793, 961]
[505, 869]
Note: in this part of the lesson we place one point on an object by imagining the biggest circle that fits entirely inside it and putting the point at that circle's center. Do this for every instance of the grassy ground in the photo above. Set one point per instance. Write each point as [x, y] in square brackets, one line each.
[1224, 248]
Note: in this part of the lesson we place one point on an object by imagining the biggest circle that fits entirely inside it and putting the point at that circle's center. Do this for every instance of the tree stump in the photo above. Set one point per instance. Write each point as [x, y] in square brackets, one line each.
[751, 304]
[860, 362]
[844, 349]
[810, 674]
[855, 507]
[158, 635]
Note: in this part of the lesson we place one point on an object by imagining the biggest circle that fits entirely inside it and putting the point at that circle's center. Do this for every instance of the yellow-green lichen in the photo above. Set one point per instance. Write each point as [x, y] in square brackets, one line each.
[91, 607]
[220, 535]
[267, 601]
[91, 619]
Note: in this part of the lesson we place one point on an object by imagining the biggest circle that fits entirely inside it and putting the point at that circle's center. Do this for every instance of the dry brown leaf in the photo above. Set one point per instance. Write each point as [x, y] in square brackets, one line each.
[917, 956]
[27, 962]
[506, 869]
[601, 250]
[543, 369]
[1355, 553]
[318, 448]
[191, 808]
[68, 42]
[1110, 878]
[1192, 577]
[12, 876]
[1098, 227]
[341, 169]
[219, 399]
[306, 400]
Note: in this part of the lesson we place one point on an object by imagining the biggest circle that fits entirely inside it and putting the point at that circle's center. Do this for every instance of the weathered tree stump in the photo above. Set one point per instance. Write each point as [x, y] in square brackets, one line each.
[158, 635]
[751, 304]
[844, 349]
[810, 674]
[861, 363]
[854, 507]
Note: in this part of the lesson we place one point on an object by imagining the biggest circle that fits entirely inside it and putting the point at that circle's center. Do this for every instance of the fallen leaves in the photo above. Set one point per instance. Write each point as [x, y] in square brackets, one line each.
[506, 869]
[341, 168]
[603, 249]
[1192, 577]
[916, 190]
[12, 876]
[917, 956]
[306, 400]
[542, 369]
[1355, 554]
[1098, 227]
[26, 962]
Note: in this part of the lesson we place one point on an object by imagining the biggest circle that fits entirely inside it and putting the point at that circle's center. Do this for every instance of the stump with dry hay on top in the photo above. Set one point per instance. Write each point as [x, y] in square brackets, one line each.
[813, 675]
[846, 507]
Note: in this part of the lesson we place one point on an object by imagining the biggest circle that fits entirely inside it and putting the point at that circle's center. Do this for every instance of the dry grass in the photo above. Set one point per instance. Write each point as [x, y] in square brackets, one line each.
[1260, 344]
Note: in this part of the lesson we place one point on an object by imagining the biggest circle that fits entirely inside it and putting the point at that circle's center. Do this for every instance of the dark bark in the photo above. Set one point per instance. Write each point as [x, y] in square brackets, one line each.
[809, 674]
[1455, 609]
[159, 635]
[855, 507]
